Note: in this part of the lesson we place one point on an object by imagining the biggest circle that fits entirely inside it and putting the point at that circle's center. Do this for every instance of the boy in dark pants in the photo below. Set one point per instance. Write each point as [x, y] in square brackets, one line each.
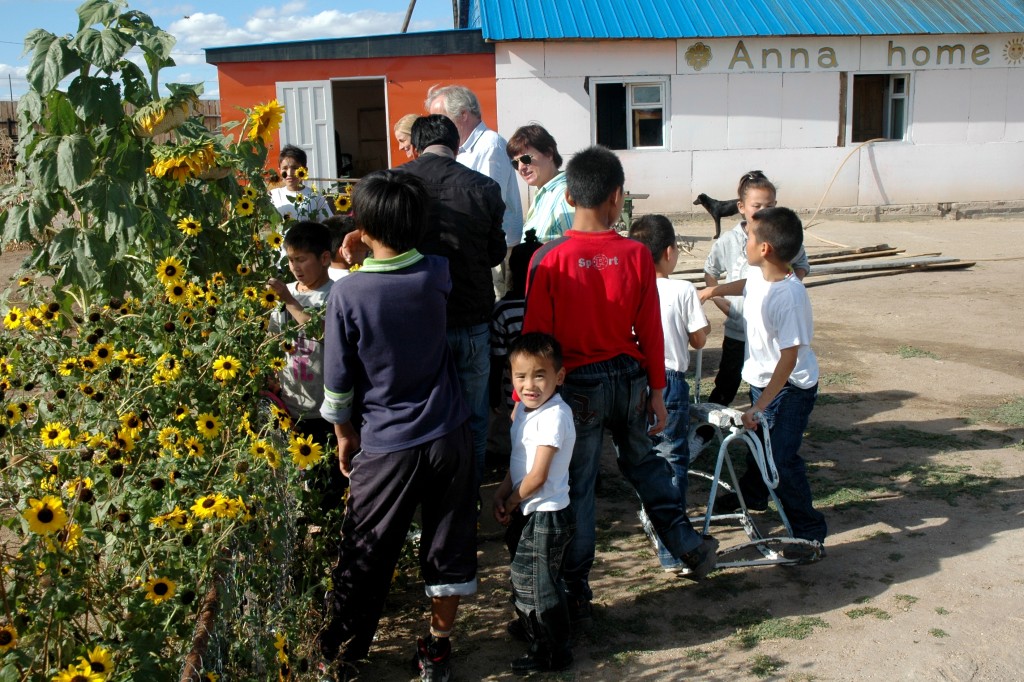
[781, 369]
[386, 353]
[533, 502]
[594, 290]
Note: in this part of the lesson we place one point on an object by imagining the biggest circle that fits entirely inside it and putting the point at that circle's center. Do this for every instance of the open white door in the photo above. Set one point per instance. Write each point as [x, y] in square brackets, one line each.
[309, 124]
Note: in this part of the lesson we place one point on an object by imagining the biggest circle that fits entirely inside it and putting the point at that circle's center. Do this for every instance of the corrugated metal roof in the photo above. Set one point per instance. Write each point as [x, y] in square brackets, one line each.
[626, 19]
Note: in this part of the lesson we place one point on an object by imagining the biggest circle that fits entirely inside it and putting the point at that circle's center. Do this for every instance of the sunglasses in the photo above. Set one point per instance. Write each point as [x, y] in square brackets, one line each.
[525, 159]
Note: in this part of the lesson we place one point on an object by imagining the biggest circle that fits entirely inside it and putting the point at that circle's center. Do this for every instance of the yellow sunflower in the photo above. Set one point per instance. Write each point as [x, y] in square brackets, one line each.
[281, 644]
[129, 356]
[190, 226]
[250, 192]
[194, 447]
[225, 367]
[6, 366]
[99, 660]
[186, 318]
[177, 519]
[277, 364]
[132, 423]
[180, 413]
[169, 437]
[169, 270]
[269, 298]
[342, 203]
[218, 279]
[24, 281]
[208, 425]
[159, 590]
[301, 173]
[177, 293]
[8, 638]
[67, 366]
[243, 270]
[88, 363]
[45, 516]
[103, 353]
[274, 239]
[211, 505]
[245, 206]
[305, 453]
[12, 320]
[55, 435]
[78, 672]
[210, 676]
[265, 120]
[12, 414]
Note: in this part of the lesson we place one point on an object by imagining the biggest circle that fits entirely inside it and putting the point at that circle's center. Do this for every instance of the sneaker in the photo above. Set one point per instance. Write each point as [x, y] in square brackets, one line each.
[699, 439]
[703, 559]
[542, 661]
[804, 554]
[433, 659]
[518, 630]
[581, 614]
[729, 503]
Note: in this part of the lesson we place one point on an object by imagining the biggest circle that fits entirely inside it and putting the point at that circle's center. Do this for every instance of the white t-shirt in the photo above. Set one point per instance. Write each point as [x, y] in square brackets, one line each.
[681, 314]
[302, 379]
[336, 273]
[777, 316]
[550, 424]
[301, 205]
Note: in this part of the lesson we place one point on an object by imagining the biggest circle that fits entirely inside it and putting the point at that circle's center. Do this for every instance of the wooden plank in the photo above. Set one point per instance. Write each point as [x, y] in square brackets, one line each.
[881, 265]
[855, 256]
[819, 257]
[958, 265]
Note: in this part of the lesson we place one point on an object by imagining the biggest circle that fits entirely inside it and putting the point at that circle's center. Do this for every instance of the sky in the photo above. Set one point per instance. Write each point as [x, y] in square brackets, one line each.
[199, 24]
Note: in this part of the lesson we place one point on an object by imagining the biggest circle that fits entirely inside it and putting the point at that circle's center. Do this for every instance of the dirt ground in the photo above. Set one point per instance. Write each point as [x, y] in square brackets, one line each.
[916, 456]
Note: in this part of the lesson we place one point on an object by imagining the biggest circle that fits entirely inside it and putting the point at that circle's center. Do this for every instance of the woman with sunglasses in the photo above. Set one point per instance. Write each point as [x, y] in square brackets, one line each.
[535, 157]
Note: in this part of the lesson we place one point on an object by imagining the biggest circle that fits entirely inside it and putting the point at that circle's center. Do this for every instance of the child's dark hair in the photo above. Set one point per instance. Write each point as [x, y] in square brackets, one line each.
[392, 207]
[308, 236]
[535, 136]
[754, 180]
[781, 228]
[593, 175]
[339, 226]
[655, 232]
[434, 129]
[519, 262]
[290, 151]
[539, 345]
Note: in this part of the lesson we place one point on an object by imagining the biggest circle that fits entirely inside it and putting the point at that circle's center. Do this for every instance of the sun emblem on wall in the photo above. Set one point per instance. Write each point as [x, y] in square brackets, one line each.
[698, 56]
[1013, 53]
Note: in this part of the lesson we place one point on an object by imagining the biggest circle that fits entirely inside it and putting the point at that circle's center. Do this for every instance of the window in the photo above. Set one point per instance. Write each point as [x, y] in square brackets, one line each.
[880, 106]
[630, 115]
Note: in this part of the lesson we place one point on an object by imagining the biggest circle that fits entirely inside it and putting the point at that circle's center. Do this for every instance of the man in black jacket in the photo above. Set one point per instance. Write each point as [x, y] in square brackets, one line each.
[466, 217]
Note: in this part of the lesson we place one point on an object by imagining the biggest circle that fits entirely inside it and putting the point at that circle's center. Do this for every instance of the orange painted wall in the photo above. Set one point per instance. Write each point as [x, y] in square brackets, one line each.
[408, 79]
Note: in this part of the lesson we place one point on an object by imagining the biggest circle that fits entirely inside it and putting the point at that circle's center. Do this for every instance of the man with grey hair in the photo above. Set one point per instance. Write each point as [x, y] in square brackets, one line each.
[481, 149]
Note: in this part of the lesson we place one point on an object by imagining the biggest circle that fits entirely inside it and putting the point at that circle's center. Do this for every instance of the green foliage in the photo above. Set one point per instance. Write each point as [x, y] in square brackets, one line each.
[765, 666]
[906, 352]
[146, 475]
[874, 611]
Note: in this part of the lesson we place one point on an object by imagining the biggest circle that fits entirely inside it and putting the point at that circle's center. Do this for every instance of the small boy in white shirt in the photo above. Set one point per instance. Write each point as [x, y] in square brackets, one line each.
[533, 502]
[339, 226]
[683, 324]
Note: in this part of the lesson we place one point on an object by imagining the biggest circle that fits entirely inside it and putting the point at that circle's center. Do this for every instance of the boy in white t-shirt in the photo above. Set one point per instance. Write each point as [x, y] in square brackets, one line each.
[781, 369]
[683, 324]
[533, 502]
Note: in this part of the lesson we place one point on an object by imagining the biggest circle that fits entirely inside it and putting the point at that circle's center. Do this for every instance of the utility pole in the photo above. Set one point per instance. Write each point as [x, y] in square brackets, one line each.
[408, 15]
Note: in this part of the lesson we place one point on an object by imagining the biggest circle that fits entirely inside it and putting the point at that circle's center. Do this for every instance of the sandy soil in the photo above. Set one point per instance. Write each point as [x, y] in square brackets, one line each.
[922, 486]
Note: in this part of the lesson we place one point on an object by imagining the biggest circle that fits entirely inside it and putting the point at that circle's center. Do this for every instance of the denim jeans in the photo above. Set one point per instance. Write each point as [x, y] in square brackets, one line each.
[471, 347]
[787, 418]
[672, 445]
[613, 394]
[538, 553]
[727, 381]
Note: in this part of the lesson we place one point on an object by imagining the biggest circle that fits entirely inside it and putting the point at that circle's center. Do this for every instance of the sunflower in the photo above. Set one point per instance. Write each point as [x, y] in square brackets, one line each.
[218, 279]
[78, 672]
[169, 270]
[269, 298]
[67, 366]
[12, 320]
[261, 449]
[301, 173]
[55, 435]
[225, 367]
[160, 589]
[99, 660]
[236, 508]
[194, 446]
[190, 226]
[168, 368]
[180, 413]
[8, 638]
[264, 120]
[281, 644]
[245, 206]
[70, 536]
[177, 519]
[342, 203]
[208, 425]
[250, 192]
[274, 239]
[169, 437]
[211, 505]
[12, 414]
[129, 356]
[131, 423]
[88, 363]
[210, 676]
[243, 270]
[45, 516]
[186, 318]
[177, 293]
[6, 366]
[277, 364]
[103, 353]
[305, 453]
[24, 281]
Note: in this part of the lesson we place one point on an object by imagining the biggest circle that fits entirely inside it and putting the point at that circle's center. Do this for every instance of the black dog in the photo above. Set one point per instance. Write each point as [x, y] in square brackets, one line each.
[718, 209]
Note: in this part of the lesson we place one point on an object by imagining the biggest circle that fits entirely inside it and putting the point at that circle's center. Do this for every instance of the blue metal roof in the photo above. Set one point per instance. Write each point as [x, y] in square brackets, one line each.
[628, 19]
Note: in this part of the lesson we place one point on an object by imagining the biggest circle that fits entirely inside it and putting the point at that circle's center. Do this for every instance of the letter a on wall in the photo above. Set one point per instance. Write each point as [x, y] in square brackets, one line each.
[309, 124]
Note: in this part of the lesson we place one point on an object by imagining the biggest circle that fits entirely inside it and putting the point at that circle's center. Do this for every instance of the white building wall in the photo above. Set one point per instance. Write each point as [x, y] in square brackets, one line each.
[775, 105]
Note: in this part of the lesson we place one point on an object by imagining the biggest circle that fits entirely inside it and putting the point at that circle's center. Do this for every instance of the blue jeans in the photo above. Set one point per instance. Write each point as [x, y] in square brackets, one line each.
[613, 394]
[787, 418]
[471, 347]
[672, 445]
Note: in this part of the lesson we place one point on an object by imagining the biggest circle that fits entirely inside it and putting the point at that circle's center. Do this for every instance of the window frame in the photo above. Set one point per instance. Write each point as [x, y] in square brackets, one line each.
[890, 97]
[630, 82]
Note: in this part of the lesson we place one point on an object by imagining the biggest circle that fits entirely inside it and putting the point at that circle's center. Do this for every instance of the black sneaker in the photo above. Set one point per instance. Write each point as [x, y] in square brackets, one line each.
[581, 614]
[433, 659]
[804, 554]
[703, 559]
[542, 661]
[518, 630]
[729, 503]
